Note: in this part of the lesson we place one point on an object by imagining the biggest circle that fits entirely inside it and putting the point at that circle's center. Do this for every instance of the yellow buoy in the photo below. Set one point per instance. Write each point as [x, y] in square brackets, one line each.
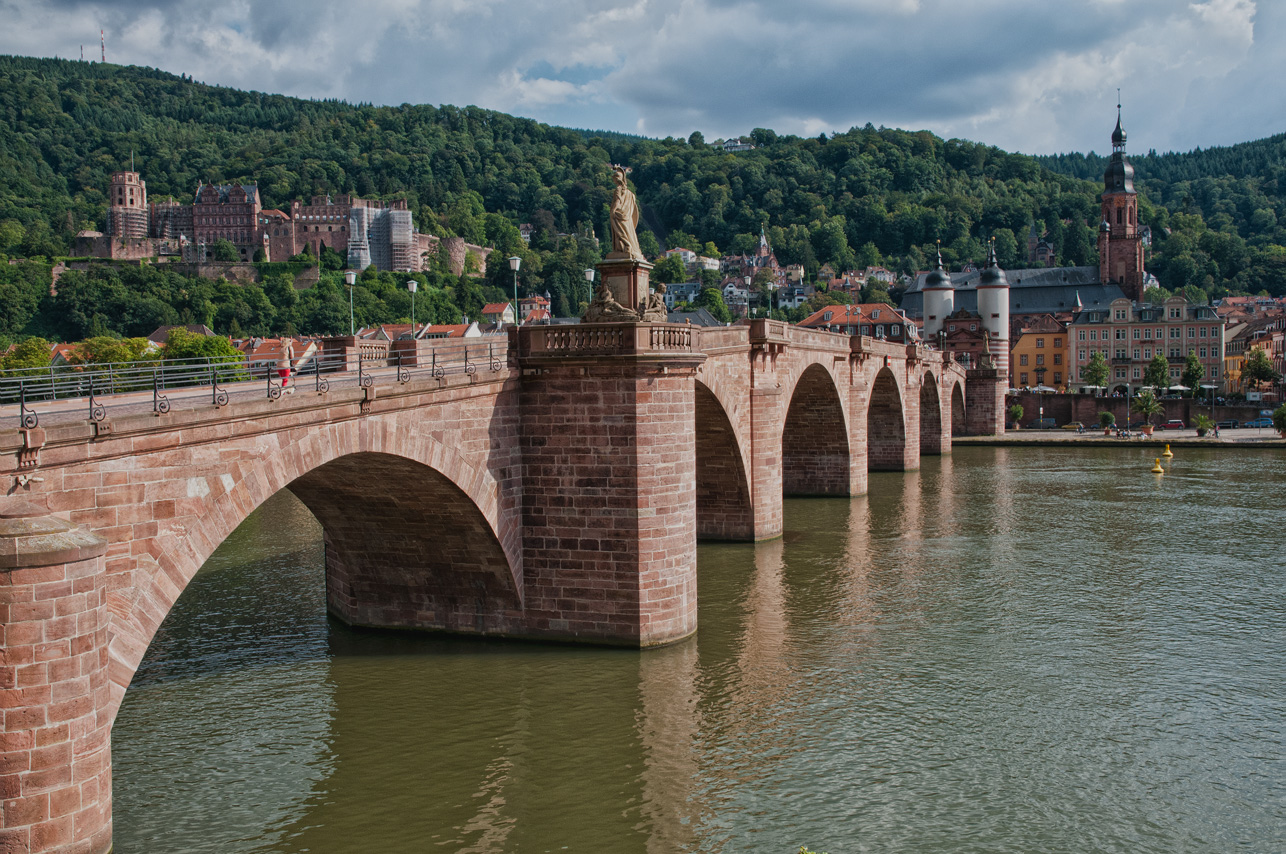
[1156, 467]
[1167, 451]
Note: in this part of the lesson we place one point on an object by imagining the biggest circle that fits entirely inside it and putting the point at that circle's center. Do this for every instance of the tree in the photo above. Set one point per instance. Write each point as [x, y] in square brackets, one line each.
[670, 270]
[1095, 373]
[104, 349]
[648, 245]
[696, 139]
[711, 299]
[1146, 404]
[29, 354]
[225, 251]
[1257, 369]
[1193, 372]
[1279, 420]
[1157, 373]
[1016, 413]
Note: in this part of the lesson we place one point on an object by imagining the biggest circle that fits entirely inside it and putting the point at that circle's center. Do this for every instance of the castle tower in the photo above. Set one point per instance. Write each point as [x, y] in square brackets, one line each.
[1120, 246]
[993, 307]
[939, 299]
[127, 206]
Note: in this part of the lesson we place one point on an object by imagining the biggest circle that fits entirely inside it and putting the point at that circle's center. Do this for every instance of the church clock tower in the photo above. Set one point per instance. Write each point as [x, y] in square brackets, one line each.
[1120, 249]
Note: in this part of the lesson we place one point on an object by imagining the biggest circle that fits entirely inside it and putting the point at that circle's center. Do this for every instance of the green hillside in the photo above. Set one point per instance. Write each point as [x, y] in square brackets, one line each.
[868, 196]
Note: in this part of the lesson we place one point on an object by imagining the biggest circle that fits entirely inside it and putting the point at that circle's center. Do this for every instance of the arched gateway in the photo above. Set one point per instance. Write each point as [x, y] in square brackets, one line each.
[558, 495]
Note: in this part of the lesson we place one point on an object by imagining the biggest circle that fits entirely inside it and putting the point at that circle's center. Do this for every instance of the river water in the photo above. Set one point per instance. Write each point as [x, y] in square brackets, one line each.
[1012, 650]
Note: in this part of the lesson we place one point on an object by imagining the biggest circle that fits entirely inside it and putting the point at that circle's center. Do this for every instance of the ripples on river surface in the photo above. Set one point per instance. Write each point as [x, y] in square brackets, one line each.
[1012, 650]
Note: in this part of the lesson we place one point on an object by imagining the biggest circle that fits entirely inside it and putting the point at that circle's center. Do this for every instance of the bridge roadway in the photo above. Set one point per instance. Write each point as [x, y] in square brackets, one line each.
[557, 494]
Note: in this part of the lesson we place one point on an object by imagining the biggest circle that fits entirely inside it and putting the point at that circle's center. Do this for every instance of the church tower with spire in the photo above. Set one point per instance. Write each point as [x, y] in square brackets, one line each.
[1120, 247]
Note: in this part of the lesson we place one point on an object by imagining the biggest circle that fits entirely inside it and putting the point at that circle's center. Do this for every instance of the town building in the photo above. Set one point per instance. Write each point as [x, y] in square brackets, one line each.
[1040, 354]
[1130, 334]
[876, 320]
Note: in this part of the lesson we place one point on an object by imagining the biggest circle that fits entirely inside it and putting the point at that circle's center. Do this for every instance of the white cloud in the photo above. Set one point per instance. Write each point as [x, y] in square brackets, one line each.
[1018, 74]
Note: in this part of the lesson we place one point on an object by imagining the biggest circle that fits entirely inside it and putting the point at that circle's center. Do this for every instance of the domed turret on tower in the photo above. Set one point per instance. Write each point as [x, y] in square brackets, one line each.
[939, 297]
[993, 308]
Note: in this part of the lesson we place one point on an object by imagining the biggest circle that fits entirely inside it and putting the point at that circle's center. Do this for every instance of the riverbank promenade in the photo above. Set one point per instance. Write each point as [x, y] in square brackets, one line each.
[1240, 438]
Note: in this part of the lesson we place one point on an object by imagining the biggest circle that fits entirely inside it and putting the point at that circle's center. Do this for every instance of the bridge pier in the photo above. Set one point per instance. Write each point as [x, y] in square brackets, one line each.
[609, 495]
[55, 753]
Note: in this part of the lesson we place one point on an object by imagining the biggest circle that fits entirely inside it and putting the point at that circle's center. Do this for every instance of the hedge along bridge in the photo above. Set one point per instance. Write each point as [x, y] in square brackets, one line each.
[555, 491]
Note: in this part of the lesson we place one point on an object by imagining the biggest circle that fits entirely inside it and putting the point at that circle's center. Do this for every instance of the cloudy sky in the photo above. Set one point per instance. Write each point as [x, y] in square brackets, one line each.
[1037, 76]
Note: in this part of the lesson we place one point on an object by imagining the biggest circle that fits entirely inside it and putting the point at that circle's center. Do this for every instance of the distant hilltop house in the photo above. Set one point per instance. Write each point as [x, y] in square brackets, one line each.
[736, 143]
[365, 231]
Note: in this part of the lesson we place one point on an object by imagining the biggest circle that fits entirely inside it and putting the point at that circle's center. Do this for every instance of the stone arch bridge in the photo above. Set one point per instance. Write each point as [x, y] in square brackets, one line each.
[559, 494]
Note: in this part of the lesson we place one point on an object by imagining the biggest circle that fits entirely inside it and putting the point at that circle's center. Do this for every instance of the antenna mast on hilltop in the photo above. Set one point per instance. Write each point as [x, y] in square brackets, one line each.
[102, 38]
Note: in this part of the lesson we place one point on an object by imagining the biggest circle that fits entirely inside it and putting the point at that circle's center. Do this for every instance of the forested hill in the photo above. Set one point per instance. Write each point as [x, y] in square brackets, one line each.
[1239, 185]
[867, 196]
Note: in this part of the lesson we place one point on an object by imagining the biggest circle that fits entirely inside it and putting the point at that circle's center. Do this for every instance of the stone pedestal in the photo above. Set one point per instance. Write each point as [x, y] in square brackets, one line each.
[55, 749]
[985, 401]
[627, 278]
[609, 497]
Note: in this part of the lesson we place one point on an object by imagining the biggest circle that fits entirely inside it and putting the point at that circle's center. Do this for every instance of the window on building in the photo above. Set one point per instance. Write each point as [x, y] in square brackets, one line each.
[1120, 354]
[1080, 335]
[1040, 358]
[1203, 332]
[1022, 359]
[973, 327]
[1147, 333]
[879, 330]
[1058, 343]
[1040, 343]
[894, 329]
[1136, 352]
[1093, 334]
[1192, 332]
[1214, 371]
[1120, 335]
[1136, 333]
[1058, 358]
[1023, 379]
[1138, 372]
[1120, 373]
[1120, 314]
[1080, 355]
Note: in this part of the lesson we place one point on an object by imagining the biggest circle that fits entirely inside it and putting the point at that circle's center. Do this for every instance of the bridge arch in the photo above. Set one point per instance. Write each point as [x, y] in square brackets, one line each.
[930, 416]
[387, 496]
[957, 409]
[724, 507]
[885, 425]
[814, 441]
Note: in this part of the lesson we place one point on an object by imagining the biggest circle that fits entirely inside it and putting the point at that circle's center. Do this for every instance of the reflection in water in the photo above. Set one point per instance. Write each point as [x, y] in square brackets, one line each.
[1060, 653]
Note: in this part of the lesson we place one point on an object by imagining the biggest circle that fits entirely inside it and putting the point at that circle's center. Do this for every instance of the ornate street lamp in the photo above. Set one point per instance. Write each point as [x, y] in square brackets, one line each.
[514, 263]
[412, 286]
[350, 279]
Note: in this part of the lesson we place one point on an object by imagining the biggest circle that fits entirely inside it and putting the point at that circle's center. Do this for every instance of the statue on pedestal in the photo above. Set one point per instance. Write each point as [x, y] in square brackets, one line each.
[654, 310]
[605, 308]
[624, 217]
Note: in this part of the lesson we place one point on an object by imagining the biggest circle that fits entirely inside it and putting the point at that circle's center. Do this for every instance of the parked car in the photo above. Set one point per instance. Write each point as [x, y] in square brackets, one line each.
[1228, 424]
[1173, 424]
[1259, 422]
[1138, 425]
[1042, 424]
[1073, 425]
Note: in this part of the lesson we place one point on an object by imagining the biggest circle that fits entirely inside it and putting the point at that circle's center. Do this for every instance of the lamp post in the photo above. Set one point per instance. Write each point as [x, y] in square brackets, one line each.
[412, 286]
[514, 263]
[350, 279]
[589, 277]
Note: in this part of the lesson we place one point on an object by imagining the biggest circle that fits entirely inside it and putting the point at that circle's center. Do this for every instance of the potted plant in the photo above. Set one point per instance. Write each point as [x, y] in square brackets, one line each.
[1106, 420]
[1203, 424]
[1279, 420]
[1015, 415]
[1148, 406]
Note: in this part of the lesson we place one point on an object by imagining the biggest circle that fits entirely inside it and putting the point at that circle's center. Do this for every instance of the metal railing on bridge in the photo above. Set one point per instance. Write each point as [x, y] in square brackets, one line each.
[124, 386]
